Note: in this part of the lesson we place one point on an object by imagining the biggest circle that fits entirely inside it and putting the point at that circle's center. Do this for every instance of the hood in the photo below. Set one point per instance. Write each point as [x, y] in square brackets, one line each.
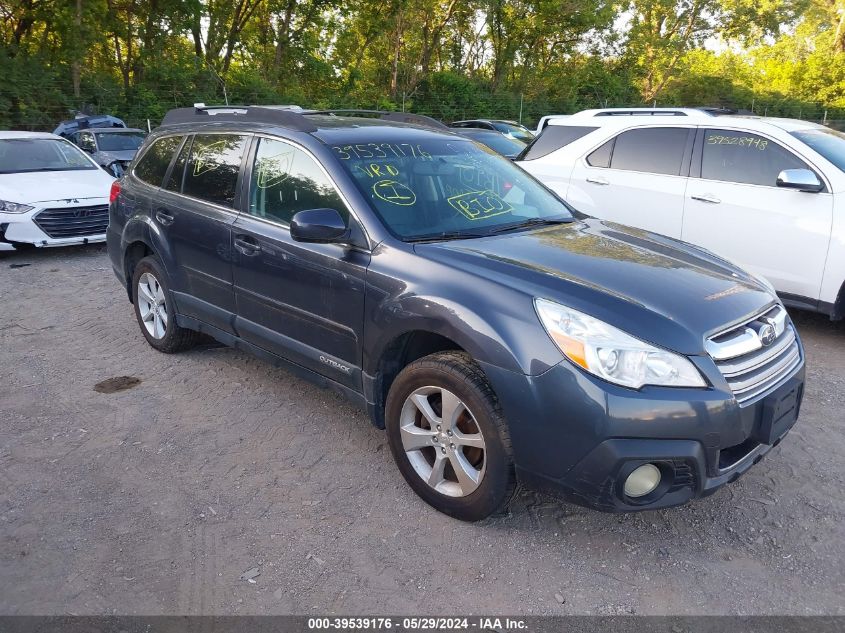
[124, 156]
[44, 186]
[659, 289]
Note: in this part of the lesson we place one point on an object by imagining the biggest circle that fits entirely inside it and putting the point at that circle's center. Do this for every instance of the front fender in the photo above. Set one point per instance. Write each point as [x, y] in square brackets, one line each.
[495, 324]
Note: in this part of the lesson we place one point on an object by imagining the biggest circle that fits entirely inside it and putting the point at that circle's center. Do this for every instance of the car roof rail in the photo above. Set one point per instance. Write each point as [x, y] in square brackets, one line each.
[691, 112]
[398, 117]
[202, 113]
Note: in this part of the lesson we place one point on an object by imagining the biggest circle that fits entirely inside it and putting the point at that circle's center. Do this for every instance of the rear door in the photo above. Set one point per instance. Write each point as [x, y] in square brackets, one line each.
[304, 302]
[195, 210]
[638, 178]
[735, 209]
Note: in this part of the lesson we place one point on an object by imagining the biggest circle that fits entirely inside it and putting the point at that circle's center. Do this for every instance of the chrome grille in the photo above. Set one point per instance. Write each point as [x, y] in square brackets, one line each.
[750, 367]
[73, 221]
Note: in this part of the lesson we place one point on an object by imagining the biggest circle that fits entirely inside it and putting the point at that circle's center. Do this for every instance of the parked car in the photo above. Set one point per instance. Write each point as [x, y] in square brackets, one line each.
[112, 149]
[51, 192]
[87, 121]
[496, 335]
[511, 129]
[498, 142]
[766, 193]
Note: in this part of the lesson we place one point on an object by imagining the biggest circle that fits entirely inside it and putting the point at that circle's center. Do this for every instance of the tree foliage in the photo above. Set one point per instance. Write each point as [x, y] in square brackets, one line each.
[449, 58]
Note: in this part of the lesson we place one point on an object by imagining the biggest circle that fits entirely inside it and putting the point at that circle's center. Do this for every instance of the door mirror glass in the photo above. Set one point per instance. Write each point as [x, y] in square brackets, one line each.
[319, 226]
[800, 179]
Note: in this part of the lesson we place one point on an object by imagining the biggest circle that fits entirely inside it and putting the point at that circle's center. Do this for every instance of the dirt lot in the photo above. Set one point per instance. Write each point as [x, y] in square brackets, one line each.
[157, 498]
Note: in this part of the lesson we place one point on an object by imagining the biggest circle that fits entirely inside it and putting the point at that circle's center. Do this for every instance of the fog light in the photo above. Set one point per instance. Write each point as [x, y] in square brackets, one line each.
[642, 481]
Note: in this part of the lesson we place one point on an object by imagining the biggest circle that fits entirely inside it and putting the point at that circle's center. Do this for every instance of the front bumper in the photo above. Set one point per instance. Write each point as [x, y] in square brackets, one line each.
[580, 437]
[69, 223]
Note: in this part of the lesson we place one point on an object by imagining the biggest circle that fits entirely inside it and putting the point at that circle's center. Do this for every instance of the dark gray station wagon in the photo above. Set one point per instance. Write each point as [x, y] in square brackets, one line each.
[499, 336]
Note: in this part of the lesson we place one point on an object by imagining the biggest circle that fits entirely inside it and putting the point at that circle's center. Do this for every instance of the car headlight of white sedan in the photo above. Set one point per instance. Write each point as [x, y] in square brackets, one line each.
[14, 207]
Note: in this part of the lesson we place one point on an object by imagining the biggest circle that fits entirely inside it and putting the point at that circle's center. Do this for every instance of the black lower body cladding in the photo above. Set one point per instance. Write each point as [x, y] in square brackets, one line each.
[582, 438]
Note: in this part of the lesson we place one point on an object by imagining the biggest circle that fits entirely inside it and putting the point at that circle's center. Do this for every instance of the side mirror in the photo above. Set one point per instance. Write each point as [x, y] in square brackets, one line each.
[800, 179]
[318, 226]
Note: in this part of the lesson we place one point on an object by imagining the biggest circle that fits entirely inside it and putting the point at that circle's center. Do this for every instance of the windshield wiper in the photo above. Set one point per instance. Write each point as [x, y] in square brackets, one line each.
[527, 224]
[445, 236]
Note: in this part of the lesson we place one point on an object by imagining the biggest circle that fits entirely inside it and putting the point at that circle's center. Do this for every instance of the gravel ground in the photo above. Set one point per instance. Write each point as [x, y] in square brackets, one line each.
[157, 498]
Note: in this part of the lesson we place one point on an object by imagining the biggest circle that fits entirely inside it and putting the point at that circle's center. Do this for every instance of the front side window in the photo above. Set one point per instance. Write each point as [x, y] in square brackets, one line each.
[41, 154]
[445, 188]
[742, 157]
[155, 161]
[213, 167]
[286, 180]
[829, 143]
[119, 141]
[656, 150]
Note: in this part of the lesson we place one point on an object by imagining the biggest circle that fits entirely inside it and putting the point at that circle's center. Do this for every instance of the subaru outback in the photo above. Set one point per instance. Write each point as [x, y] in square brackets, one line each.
[497, 335]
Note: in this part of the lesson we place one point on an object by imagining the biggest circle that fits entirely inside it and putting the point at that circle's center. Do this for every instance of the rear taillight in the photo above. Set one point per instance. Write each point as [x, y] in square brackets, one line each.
[115, 191]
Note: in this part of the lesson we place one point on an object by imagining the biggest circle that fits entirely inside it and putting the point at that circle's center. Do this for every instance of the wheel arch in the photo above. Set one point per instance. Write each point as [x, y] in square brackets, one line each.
[397, 353]
[132, 254]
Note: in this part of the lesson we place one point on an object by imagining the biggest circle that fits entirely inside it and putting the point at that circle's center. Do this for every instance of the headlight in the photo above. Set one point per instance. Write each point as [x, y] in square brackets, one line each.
[611, 354]
[14, 207]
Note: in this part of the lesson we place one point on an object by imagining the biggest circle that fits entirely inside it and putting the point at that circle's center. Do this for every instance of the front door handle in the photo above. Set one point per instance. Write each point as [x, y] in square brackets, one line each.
[598, 180]
[247, 245]
[164, 217]
[707, 197]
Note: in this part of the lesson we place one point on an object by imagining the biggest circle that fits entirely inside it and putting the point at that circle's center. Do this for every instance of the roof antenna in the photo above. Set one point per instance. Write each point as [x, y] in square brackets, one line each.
[219, 79]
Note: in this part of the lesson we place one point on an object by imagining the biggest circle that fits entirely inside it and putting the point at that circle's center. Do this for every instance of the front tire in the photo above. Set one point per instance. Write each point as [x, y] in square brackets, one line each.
[449, 437]
[154, 309]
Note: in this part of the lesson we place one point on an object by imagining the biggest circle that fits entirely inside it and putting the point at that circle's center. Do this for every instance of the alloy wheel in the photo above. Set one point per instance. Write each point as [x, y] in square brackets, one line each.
[443, 441]
[152, 306]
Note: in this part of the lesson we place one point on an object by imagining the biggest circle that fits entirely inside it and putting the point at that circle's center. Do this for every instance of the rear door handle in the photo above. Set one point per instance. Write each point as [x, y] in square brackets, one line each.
[598, 180]
[707, 197]
[247, 245]
[164, 217]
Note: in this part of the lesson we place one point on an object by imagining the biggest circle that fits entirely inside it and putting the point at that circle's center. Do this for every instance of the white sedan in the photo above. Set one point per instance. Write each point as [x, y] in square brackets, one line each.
[51, 192]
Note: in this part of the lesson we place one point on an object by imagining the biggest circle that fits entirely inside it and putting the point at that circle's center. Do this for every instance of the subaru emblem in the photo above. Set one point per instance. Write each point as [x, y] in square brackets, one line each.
[767, 334]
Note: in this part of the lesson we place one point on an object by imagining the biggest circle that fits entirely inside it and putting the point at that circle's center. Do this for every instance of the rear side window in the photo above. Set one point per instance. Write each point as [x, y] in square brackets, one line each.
[741, 157]
[656, 150]
[177, 174]
[601, 156]
[155, 161]
[213, 166]
[553, 137]
[286, 180]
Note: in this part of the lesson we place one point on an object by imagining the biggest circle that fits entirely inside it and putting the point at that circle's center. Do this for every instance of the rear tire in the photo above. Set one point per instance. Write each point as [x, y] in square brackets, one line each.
[154, 309]
[449, 437]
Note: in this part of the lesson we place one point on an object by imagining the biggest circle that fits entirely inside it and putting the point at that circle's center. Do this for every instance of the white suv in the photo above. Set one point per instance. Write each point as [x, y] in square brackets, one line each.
[766, 193]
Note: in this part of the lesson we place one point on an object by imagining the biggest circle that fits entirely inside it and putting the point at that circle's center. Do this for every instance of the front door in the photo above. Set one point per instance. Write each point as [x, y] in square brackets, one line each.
[736, 210]
[304, 302]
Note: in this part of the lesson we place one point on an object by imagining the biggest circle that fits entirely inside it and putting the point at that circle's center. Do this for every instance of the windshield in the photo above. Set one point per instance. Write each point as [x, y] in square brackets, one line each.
[516, 131]
[41, 154]
[447, 188]
[503, 144]
[119, 141]
[828, 143]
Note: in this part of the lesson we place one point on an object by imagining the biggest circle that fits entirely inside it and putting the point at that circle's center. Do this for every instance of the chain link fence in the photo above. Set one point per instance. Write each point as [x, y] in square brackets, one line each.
[143, 107]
